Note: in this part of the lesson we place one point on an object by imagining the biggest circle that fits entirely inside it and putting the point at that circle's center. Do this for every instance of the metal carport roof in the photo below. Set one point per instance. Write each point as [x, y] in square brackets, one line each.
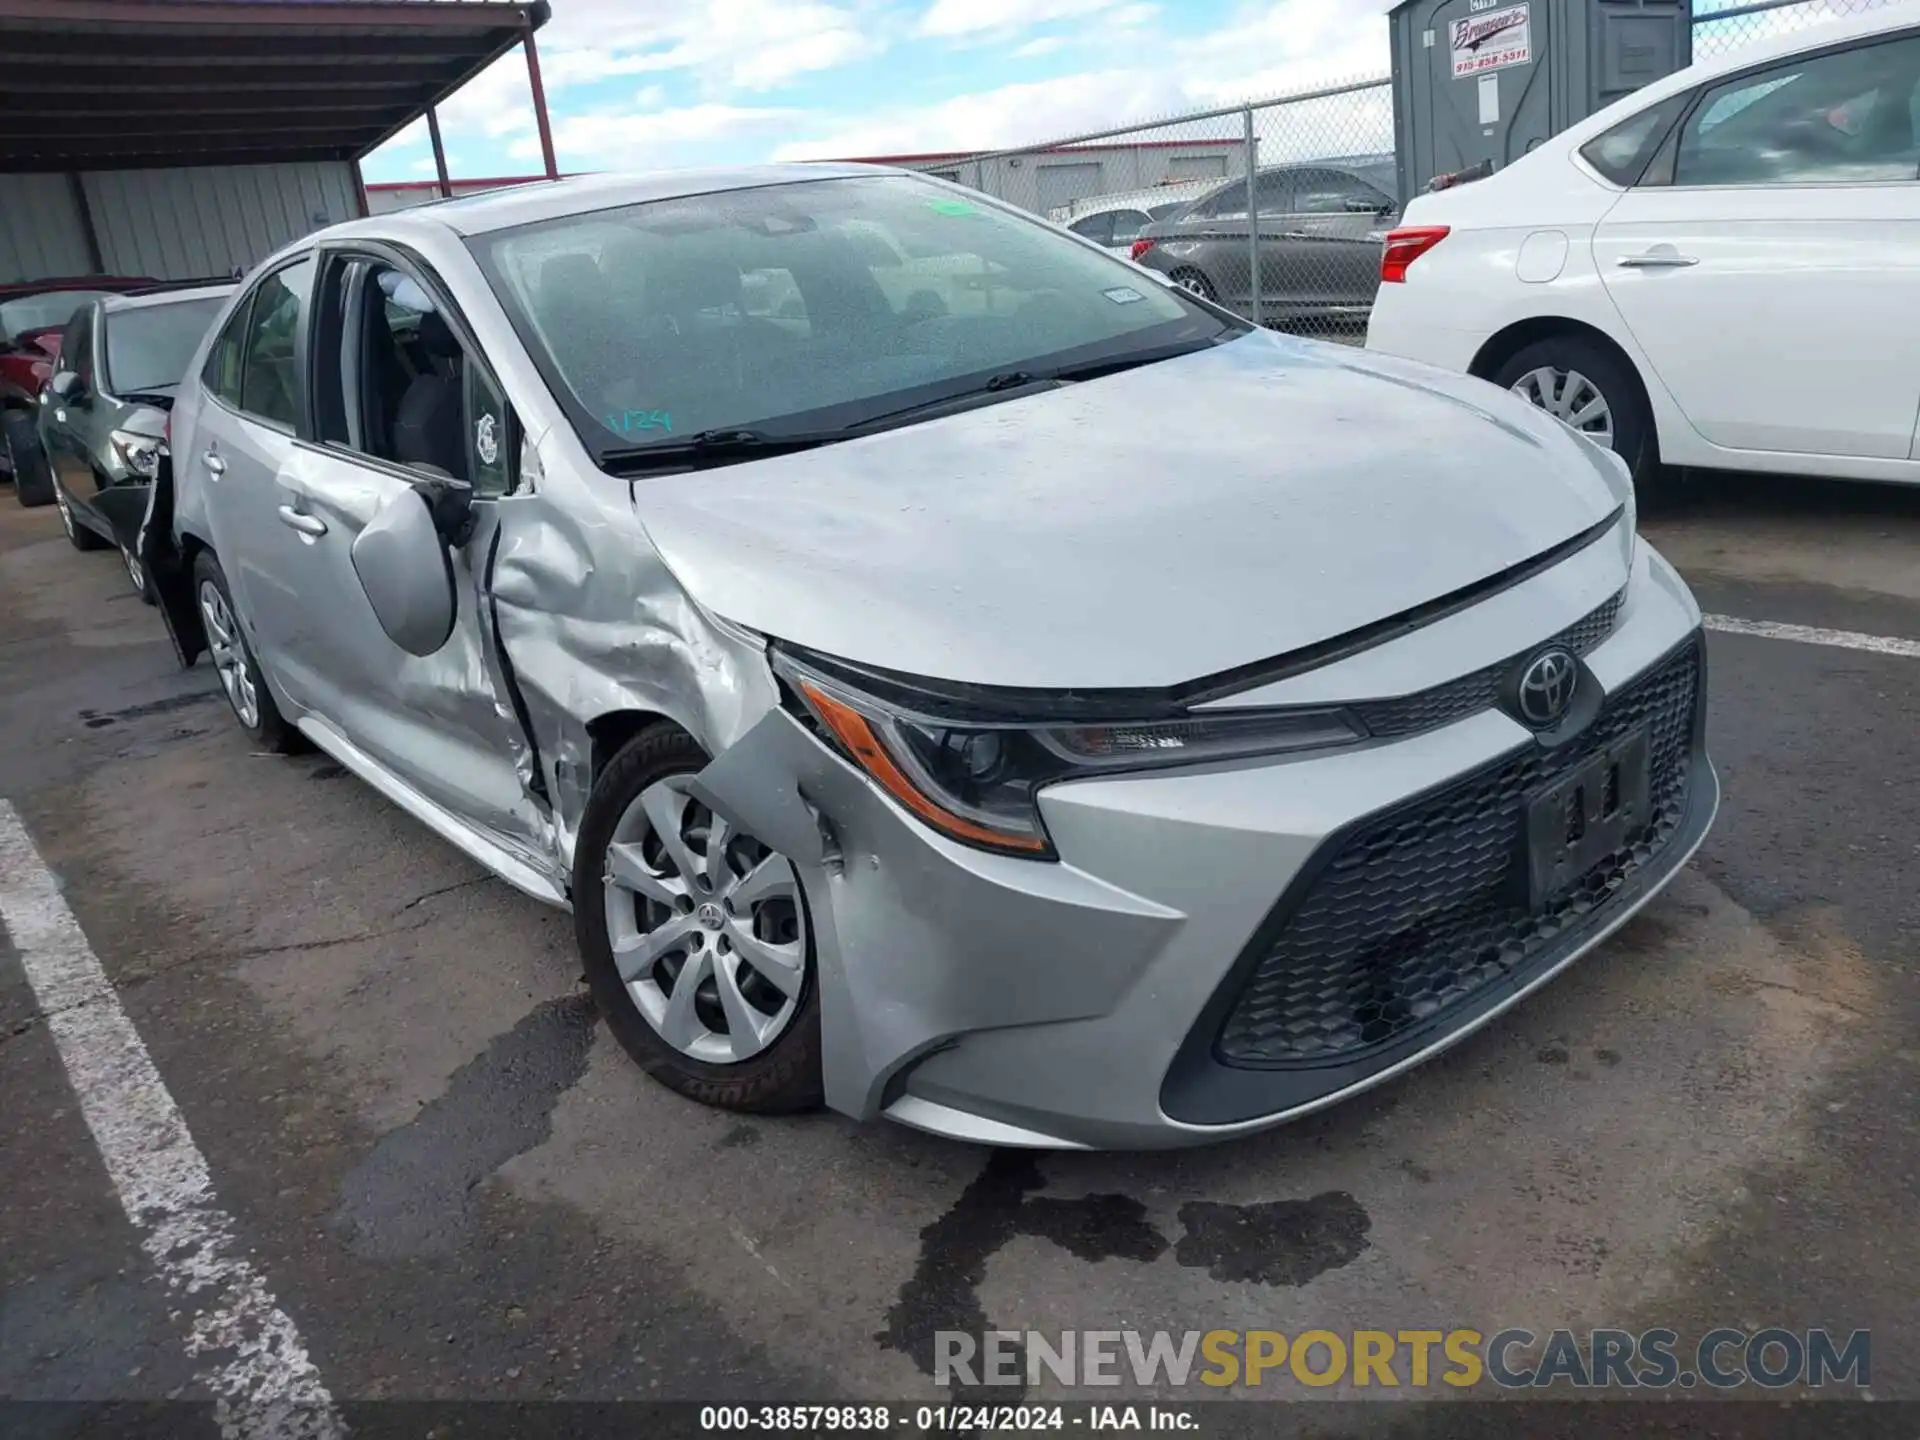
[126, 84]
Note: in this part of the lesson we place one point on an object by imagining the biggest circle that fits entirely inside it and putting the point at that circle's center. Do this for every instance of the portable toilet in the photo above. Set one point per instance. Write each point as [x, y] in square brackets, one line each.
[1481, 82]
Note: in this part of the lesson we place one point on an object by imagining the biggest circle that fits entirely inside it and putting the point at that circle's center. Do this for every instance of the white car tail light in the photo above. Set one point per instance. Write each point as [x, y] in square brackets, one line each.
[1403, 247]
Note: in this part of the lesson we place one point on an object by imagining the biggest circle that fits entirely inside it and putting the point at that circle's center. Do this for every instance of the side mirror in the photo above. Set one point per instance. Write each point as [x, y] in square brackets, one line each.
[449, 501]
[406, 569]
[66, 386]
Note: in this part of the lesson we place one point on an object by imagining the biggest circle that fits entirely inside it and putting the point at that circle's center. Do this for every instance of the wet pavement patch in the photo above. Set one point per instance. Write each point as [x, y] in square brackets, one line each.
[414, 1194]
[99, 719]
[944, 1290]
[1278, 1242]
[1281, 1242]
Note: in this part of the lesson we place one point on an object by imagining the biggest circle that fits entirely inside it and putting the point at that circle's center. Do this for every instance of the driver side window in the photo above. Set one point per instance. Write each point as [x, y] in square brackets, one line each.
[76, 346]
[408, 392]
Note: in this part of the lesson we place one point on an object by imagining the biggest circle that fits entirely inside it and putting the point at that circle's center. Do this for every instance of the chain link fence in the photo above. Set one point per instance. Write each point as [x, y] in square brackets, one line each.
[1276, 208]
[1723, 26]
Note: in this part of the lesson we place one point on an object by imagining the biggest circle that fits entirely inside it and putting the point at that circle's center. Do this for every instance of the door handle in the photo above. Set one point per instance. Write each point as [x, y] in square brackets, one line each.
[1658, 260]
[216, 467]
[305, 524]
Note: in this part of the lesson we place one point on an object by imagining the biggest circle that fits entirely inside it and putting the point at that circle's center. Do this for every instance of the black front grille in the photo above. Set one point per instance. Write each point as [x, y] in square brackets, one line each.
[1456, 699]
[1421, 909]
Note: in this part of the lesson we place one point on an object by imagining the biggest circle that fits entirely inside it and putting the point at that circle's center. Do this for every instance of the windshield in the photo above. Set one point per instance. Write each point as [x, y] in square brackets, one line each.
[41, 312]
[1382, 176]
[150, 347]
[809, 305]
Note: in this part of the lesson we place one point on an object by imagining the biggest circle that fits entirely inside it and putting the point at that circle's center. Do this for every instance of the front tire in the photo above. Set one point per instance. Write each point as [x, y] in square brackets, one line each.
[247, 693]
[138, 577]
[1591, 388]
[695, 937]
[78, 535]
[32, 476]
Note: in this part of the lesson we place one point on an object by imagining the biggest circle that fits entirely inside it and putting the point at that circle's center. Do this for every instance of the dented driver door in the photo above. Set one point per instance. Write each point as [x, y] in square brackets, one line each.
[441, 723]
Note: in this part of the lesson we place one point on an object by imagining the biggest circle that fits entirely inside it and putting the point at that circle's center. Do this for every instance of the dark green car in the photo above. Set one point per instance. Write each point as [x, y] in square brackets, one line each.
[103, 415]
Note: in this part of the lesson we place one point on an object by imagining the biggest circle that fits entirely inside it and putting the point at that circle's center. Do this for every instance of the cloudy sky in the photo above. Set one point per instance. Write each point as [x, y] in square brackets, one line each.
[639, 84]
[643, 84]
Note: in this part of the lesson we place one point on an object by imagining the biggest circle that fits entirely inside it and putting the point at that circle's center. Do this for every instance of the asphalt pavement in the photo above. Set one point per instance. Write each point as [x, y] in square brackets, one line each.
[429, 1161]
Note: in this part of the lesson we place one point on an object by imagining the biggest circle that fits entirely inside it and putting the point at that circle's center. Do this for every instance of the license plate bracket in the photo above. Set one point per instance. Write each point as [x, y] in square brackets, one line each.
[1586, 815]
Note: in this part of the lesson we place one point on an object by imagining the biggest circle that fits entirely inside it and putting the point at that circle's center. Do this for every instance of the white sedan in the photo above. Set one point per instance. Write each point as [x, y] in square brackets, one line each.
[1720, 270]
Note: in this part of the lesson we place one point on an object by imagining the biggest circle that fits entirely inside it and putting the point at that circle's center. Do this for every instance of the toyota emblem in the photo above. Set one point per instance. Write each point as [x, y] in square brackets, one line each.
[1546, 687]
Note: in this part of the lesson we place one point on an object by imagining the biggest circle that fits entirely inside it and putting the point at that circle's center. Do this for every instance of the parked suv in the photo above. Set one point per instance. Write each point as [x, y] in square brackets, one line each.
[32, 314]
[103, 415]
[1320, 229]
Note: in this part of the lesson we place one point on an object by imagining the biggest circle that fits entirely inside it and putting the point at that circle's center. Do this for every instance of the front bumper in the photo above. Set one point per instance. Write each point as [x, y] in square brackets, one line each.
[1084, 1003]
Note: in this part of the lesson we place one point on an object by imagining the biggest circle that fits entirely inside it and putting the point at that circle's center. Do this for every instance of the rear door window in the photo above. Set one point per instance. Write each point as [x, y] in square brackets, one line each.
[1620, 155]
[1097, 228]
[221, 374]
[269, 378]
[1847, 117]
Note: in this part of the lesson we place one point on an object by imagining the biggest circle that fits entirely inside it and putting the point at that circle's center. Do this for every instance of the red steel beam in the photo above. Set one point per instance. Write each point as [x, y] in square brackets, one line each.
[540, 105]
[439, 153]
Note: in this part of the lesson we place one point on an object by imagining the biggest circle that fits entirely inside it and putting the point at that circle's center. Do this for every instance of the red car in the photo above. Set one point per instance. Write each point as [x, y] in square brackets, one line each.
[32, 315]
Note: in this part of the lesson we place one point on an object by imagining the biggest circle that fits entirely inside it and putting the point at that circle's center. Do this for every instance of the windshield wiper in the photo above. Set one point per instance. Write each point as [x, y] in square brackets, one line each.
[724, 444]
[1134, 359]
[1005, 381]
[729, 443]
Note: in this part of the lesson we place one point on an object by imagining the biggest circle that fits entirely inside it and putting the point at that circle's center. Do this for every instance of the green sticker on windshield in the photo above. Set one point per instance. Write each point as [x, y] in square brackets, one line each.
[951, 207]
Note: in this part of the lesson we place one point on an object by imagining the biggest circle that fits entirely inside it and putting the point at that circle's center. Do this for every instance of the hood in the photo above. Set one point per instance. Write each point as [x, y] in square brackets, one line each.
[146, 410]
[1143, 529]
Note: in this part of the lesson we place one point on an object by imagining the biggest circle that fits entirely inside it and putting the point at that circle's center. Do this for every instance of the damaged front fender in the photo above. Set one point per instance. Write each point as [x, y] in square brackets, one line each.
[918, 939]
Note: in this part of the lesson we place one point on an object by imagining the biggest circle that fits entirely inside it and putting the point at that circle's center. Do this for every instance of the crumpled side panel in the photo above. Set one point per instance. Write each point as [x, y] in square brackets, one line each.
[592, 622]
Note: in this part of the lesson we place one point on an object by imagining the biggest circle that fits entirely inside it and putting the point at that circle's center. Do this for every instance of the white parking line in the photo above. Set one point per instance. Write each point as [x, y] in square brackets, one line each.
[1813, 635]
[257, 1366]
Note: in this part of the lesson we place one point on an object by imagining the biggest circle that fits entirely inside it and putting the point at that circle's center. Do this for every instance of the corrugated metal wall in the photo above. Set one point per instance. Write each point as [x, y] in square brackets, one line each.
[183, 223]
[175, 224]
[40, 232]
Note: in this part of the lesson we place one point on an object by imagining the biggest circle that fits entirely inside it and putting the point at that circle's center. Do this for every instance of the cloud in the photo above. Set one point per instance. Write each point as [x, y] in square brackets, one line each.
[969, 17]
[1260, 50]
[737, 44]
[714, 69]
[1277, 48]
[1008, 115]
[636, 139]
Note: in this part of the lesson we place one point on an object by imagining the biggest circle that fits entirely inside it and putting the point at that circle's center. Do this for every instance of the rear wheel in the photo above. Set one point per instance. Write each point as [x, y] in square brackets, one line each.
[695, 936]
[233, 661]
[32, 476]
[1195, 283]
[1589, 387]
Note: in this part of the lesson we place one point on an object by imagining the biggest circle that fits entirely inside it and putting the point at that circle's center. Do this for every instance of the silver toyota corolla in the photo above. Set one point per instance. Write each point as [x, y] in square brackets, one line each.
[949, 672]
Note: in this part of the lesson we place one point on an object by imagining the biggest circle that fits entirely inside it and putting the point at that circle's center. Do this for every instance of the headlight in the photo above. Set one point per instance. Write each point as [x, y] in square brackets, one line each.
[139, 453]
[976, 781]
